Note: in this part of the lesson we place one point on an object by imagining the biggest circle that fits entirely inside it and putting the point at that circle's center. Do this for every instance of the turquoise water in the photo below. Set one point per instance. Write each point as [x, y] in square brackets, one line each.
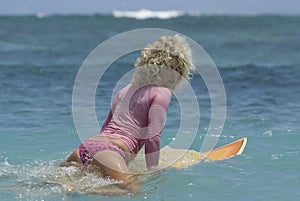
[258, 59]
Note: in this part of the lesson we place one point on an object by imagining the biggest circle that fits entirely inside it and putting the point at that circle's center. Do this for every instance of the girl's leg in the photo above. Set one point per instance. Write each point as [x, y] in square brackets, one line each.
[74, 158]
[113, 165]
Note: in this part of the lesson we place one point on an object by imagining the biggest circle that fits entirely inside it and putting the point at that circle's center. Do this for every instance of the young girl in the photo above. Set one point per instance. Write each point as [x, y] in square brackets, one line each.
[137, 115]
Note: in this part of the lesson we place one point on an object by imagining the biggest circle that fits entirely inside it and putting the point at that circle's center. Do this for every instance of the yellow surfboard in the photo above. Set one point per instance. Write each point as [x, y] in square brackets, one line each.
[169, 156]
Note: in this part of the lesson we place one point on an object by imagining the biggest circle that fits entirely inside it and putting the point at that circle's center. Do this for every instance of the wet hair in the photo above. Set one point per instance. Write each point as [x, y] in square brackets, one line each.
[167, 52]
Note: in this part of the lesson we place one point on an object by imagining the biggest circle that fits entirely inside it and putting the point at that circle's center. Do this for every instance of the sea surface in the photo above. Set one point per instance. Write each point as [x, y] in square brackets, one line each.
[258, 60]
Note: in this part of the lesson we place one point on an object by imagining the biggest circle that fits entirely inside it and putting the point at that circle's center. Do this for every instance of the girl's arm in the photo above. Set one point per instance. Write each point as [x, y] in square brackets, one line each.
[156, 121]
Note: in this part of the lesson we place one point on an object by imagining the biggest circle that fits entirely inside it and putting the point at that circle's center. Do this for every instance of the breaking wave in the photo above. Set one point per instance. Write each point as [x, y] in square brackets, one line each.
[145, 14]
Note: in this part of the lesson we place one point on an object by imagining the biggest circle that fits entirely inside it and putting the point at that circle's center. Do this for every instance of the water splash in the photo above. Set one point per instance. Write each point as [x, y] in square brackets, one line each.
[33, 182]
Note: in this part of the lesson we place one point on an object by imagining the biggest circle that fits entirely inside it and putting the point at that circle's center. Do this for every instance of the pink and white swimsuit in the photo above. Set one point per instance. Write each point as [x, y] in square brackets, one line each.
[137, 118]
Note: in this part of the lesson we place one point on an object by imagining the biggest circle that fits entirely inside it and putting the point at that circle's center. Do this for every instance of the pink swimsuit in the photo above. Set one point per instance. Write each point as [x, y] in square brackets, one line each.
[137, 117]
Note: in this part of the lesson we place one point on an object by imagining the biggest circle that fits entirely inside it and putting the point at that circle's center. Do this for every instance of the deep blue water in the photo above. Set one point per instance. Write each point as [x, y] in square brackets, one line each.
[258, 60]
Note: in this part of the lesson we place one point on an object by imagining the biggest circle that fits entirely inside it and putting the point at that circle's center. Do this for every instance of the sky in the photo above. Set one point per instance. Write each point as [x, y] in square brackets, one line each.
[246, 7]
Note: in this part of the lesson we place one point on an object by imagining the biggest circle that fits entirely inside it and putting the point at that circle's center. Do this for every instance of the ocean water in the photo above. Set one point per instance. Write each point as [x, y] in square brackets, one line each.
[258, 60]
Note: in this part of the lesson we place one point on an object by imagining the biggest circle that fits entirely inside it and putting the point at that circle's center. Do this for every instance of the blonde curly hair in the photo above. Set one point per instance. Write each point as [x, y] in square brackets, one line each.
[167, 52]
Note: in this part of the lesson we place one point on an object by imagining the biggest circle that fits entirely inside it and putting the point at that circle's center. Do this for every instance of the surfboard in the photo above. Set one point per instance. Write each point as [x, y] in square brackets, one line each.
[191, 157]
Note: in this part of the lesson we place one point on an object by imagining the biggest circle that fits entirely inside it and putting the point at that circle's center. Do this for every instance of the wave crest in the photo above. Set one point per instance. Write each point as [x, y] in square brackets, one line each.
[145, 14]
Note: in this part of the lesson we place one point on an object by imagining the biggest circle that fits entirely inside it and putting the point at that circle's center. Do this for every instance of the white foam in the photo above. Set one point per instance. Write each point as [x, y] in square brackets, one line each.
[40, 15]
[43, 179]
[145, 14]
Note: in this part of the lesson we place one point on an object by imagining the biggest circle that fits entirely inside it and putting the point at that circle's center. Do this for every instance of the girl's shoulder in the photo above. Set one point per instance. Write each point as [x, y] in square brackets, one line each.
[160, 93]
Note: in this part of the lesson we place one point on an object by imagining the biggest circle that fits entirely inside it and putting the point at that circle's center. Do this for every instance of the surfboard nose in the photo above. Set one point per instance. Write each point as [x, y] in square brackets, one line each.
[227, 151]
